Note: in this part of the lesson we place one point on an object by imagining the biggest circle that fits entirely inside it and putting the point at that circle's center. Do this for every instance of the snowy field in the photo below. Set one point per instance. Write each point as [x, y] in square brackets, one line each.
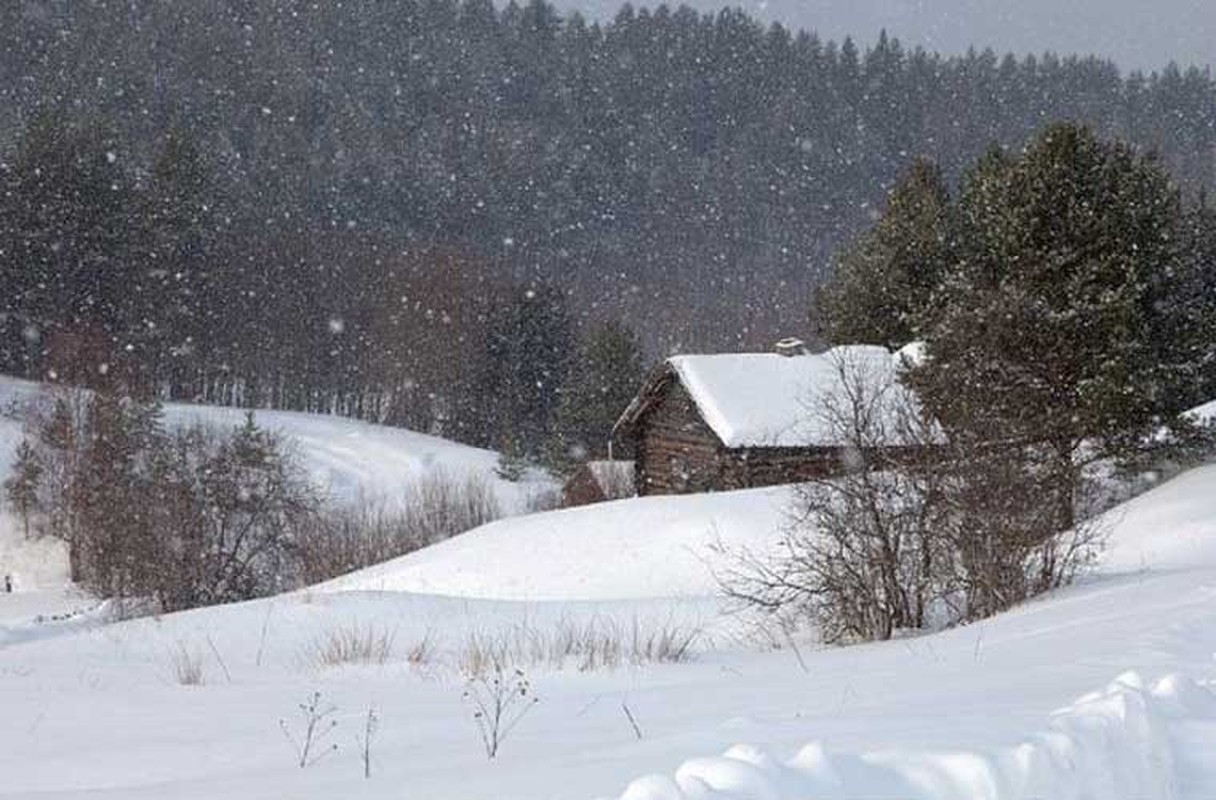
[1095, 692]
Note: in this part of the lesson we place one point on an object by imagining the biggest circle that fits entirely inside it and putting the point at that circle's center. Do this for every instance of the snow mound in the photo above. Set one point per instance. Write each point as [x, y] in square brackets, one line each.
[637, 548]
[1115, 744]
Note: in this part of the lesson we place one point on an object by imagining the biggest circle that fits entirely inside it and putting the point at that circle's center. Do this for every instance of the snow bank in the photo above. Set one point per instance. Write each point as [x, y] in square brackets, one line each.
[1114, 744]
[638, 548]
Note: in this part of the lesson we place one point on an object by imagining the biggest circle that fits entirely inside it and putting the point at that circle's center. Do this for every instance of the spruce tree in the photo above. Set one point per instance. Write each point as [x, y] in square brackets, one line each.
[21, 488]
[603, 380]
[526, 358]
[886, 277]
[1041, 338]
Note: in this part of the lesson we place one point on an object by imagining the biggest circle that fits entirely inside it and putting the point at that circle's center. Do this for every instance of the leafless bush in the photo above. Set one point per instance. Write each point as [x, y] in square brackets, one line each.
[913, 524]
[1001, 533]
[185, 517]
[341, 540]
[318, 725]
[353, 644]
[437, 507]
[500, 698]
[861, 553]
[441, 506]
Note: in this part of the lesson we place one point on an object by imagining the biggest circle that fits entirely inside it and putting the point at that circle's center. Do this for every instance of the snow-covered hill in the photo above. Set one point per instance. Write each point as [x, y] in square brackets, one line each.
[351, 460]
[1101, 690]
[965, 713]
[638, 548]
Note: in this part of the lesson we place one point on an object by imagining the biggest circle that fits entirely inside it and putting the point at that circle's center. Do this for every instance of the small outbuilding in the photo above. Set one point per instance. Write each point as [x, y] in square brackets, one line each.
[704, 423]
[597, 482]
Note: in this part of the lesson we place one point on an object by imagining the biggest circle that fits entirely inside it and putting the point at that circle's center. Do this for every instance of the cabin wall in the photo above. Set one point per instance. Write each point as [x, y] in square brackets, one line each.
[675, 451]
[754, 467]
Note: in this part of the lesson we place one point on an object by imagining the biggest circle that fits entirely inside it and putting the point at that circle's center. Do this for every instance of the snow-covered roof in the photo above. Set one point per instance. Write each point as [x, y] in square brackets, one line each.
[1202, 415]
[771, 400]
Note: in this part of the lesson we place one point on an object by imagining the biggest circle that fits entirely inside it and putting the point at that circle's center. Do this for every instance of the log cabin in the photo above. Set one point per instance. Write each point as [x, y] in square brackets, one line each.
[704, 423]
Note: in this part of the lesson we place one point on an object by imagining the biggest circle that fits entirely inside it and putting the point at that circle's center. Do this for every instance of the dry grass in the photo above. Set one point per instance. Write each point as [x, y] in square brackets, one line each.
[353, 644]
[594, 645]
[187, 665]
[422, 652]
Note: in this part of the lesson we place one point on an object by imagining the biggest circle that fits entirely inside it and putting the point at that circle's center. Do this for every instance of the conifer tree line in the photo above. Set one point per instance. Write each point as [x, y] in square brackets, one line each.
[417, 212]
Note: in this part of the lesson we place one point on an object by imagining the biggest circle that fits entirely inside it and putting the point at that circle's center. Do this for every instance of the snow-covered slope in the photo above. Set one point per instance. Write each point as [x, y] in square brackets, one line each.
[1083, 694]
[968, 713]
[637, 548]
[351, 459]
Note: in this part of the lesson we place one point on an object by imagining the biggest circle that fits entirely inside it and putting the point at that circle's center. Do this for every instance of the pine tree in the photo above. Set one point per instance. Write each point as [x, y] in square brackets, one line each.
[21, 488]
[1041, 338]
[887, 276]
[527, 355]
[603, 380]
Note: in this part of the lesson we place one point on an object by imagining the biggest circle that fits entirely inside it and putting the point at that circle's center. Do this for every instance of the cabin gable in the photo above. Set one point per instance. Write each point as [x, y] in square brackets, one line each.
[676, 452]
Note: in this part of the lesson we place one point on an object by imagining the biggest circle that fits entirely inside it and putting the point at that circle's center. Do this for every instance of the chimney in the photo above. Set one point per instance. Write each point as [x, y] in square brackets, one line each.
[790, 347]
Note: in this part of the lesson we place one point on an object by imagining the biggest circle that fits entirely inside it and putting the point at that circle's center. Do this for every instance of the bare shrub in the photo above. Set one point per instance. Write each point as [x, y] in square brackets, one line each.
[500, 697]
[187, 517]
[369, 532]
[353, 644]
[342, 540]
[317, 726]
[441, 506]
[861, 555]
[914, 527]
[1002, 534]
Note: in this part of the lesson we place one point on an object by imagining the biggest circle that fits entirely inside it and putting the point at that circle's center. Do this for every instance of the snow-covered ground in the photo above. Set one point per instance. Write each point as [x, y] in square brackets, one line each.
[1067, 697]
[638, 548]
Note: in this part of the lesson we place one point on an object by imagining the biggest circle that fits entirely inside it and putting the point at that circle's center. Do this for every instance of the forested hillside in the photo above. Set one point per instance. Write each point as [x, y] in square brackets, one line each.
[370, 207]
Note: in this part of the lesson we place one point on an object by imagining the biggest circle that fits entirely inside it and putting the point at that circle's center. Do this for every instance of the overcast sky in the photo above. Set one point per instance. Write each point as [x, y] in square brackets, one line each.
[1143, 34]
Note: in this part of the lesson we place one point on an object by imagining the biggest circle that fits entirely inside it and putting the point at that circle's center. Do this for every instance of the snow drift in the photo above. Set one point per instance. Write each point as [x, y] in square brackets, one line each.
[637, 548]
[1115, 744]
